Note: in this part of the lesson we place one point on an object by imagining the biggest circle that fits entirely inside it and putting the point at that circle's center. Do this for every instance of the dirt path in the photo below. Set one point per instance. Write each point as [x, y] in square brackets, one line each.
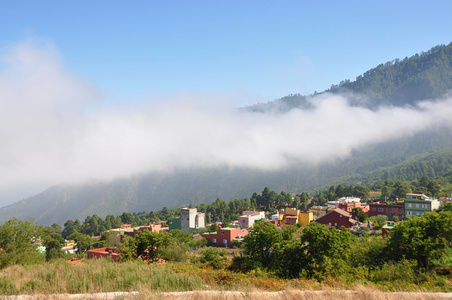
[363, 294]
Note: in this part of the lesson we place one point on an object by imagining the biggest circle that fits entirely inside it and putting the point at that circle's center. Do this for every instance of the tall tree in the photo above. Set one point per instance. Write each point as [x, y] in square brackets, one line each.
[17, 242]
[424, 239]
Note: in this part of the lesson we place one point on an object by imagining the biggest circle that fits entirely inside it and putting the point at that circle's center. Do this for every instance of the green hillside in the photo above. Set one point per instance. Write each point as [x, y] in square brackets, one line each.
[427, 75]
[405, 159]
[422, 76]
[398, 82]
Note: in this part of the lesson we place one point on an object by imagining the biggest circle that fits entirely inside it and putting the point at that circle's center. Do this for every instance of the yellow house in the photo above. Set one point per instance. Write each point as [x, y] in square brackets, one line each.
[70, 243]
[291, 216]
[304, 218]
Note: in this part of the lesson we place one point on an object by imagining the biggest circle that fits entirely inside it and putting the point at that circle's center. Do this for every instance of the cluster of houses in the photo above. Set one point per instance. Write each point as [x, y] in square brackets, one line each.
[339, 213]
[336, 213]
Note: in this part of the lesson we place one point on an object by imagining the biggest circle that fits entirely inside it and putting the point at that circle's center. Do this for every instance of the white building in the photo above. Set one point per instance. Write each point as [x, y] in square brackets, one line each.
[190, 219]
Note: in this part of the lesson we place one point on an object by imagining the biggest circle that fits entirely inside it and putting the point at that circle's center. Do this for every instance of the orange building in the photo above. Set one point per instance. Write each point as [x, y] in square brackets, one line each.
[105, 252]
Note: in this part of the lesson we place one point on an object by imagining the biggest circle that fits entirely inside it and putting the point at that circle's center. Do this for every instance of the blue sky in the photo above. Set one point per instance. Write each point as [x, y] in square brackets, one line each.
[98, 90]
[255, 50]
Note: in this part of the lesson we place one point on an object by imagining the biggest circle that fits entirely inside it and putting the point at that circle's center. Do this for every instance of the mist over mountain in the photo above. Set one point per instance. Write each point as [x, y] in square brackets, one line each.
[400, 82]
[189, 150]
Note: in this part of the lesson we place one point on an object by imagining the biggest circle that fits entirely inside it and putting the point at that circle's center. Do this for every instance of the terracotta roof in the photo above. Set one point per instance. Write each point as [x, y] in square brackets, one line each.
[339, 211]
[342, 212]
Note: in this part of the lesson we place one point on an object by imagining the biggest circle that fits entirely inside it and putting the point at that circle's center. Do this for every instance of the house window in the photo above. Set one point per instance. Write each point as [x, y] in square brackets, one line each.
[214, 241]
[380, 209]
[222, 232]
[409, 213]
[225, 242]
[400, 209]
[417, 205]
[329, 223]
[417, 213]
[340, 216]
[409, 204]
[389, 208]
[374, 209]
[243, 221]
[335, 224]
[424, 205]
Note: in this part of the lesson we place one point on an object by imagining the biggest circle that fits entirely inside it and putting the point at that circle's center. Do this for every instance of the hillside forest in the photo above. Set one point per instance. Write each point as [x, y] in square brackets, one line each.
[397, 83]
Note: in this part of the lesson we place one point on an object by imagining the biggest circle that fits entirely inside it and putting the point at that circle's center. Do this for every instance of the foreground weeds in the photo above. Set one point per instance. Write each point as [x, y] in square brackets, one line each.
[94, 276]
[152, 281]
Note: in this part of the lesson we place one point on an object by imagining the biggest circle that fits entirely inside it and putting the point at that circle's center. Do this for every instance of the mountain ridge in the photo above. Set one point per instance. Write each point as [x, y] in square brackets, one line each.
[193, 186]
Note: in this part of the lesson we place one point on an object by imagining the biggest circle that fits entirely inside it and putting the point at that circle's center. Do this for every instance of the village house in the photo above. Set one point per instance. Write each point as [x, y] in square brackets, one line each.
[319, 211]
[386, 209]
[225, 236]
[387, 228]
[292, 216]
[249, 217]
[151, 227]
[277, 222]
[117, 234]
[106, 252]
[337, 218]
[349, 206]
[259, 213]
[418, 204]
[247, 221]
[190, 220]
[345, 202]
[69, 246]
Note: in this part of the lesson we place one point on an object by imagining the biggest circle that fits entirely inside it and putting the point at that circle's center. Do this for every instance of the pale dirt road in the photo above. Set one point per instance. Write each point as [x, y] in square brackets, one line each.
[235, 295]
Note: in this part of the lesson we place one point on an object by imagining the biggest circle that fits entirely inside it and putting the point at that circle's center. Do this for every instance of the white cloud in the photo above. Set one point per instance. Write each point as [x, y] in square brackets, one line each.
[51, 134]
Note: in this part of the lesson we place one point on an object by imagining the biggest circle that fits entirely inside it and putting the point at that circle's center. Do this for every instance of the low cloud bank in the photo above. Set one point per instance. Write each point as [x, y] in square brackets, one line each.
[52, 132]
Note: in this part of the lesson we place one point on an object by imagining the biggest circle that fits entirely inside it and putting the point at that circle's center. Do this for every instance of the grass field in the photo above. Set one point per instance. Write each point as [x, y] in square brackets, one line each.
[151, 281]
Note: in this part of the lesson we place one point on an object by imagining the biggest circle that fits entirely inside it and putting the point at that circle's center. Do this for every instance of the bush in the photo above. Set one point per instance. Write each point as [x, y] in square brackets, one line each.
[213, 257]
[243, 264]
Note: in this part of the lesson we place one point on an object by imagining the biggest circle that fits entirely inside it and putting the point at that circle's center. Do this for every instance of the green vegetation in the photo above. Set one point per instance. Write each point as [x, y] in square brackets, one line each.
[415, 257]
[17, 243]
[94, 276]
[423, 76]
[417, 251]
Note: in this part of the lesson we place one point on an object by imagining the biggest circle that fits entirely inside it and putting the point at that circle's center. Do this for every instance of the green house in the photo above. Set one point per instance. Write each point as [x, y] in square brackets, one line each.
[419, 204]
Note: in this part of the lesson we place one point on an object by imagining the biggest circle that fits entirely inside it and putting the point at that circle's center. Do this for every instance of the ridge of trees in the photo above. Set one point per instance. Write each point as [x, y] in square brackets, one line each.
[421, 76]
[268, 200]
[427, 75]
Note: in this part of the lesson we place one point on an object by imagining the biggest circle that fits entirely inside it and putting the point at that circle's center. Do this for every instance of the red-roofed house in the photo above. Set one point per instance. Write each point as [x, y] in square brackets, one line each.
[277, 223]
[338, 218]
[349, 206]
[385, 209]
[105, 252]
[224, 236]
[152, 228]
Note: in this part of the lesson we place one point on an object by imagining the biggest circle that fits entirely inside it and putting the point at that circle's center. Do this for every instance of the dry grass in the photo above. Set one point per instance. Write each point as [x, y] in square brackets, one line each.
[62, 280]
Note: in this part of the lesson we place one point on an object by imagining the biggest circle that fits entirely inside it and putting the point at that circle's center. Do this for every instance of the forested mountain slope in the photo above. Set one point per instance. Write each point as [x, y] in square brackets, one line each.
[402, 159]
[399, 82]
[422, 76]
